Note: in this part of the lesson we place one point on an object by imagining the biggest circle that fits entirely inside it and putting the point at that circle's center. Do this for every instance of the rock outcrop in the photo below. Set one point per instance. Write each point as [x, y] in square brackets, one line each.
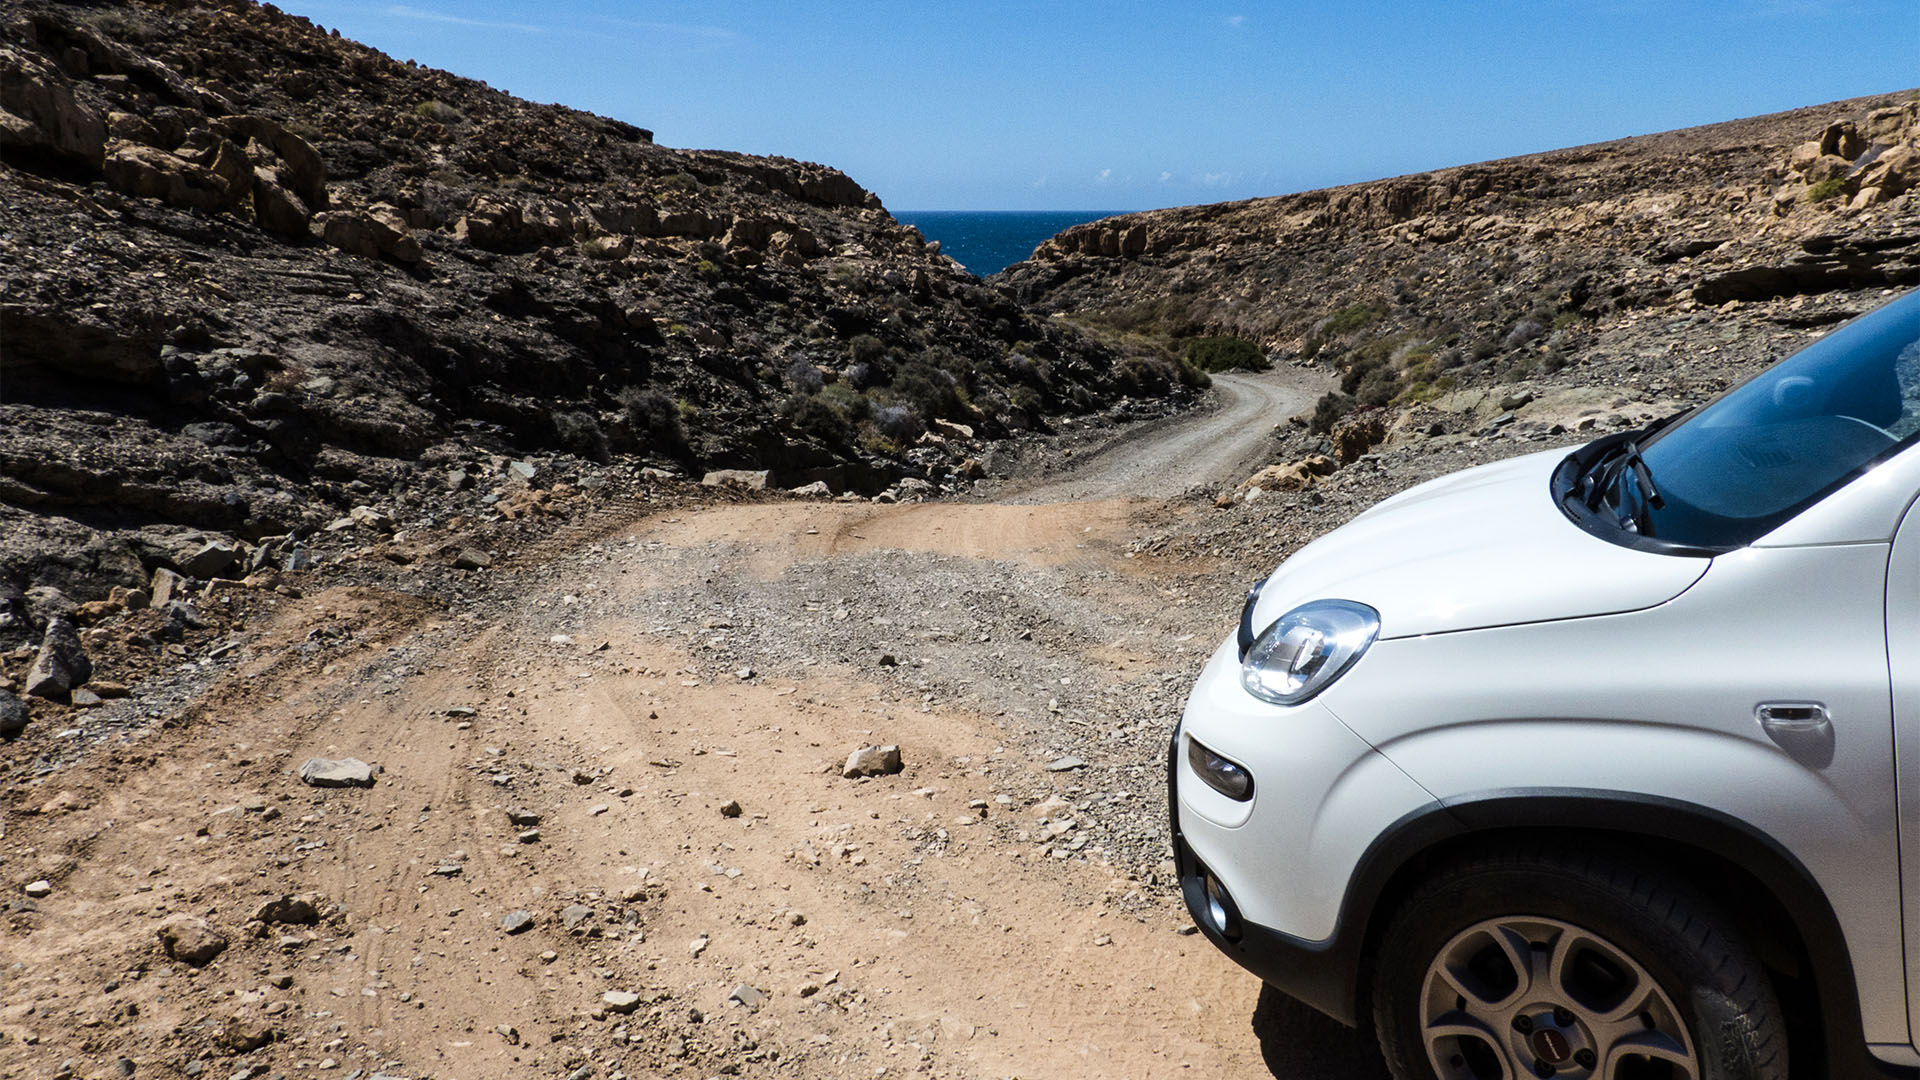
[258, 274]
[1501, 271]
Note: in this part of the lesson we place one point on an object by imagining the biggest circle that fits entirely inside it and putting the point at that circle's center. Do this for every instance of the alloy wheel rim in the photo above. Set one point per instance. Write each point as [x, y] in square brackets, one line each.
[1524, 995]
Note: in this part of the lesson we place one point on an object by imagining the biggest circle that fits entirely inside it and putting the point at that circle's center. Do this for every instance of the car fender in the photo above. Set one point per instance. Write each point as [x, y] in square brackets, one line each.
[1475, 820]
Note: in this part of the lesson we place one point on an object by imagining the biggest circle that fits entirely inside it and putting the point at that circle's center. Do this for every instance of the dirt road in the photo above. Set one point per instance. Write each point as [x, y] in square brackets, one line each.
[610, 836]
[1159, 461]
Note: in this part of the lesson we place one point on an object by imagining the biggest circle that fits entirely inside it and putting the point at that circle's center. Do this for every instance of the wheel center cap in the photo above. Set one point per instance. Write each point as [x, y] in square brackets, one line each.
[1550, 1046]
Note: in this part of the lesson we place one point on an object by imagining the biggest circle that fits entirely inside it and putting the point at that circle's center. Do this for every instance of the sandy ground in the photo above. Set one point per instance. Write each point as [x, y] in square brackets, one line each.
[696, 846]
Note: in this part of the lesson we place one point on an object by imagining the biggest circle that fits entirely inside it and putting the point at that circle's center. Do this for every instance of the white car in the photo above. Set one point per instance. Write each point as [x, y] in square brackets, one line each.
[1601, 764]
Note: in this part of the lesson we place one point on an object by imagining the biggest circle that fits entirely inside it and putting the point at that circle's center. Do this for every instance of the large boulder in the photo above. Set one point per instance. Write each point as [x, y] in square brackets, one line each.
[1842, 139]
[278, 210]
[300, 171]
[38, 111]
[376, 231]
[752, 233]
[1804, 155]
[152, 173]
[1892, 172]
[224, 159]
[13, 715]
[1826, 167]
[336, 772]
[212, 558]
[62, 664]
[133, 128]
[1292, 476]
[1357, 434]
[190, 940]
[1889, 124]
[749, 479]
[624, 219]
[872, 761]
[498, 226]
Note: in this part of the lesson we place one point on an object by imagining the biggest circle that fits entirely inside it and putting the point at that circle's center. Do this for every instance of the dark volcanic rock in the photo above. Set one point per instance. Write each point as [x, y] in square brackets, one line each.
[62, 664]
[250, 263]
[13, 715]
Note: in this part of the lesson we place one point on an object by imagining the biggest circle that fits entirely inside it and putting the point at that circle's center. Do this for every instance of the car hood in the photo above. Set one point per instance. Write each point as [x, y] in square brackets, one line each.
[1483, 547]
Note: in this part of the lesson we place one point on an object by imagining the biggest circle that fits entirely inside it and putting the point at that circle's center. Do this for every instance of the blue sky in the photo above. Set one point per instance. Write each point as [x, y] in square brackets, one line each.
[1123, 105]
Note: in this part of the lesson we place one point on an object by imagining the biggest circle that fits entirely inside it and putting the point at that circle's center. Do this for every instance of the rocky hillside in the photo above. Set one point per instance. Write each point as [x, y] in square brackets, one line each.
[1498, 273]
[257, 275]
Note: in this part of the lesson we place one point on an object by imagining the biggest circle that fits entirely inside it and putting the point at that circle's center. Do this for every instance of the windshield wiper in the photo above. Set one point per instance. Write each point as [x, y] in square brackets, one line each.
[1608, 478]
[1649, 494]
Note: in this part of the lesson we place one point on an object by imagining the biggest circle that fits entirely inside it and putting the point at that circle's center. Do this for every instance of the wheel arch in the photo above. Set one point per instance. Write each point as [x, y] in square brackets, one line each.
[1772, 898]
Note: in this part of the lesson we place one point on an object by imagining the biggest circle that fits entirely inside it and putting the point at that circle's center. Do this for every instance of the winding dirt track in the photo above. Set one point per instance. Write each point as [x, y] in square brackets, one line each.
[975, 917]
[1159, 461]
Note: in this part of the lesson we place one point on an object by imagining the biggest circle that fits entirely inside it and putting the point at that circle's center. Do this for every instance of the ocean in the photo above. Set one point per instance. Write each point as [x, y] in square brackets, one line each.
[989, 241]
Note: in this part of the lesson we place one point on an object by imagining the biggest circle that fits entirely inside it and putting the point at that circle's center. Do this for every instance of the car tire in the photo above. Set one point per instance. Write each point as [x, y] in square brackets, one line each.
[1545, 963]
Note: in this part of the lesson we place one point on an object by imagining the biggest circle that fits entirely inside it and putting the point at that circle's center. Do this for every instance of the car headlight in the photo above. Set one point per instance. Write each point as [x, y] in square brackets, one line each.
[1306, 649]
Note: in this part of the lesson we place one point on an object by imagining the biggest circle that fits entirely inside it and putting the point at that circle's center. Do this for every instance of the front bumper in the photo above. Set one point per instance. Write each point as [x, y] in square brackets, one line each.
[1323, 974]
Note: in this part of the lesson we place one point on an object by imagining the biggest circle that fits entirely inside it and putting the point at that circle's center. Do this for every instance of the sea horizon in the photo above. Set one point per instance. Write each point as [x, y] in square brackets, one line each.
[988, 241]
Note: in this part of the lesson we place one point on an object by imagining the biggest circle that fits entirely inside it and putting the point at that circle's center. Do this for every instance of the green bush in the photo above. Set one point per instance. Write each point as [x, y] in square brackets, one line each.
[1141, 376]
[804, 377]
[1226, 354]
[1349, 319]
[655, 417]
[866, 349]
[899, 423]
[437, 111]
[1827, 189]
[1328, 410]
[851, 404]
[580, 433]
[1028, 400]
[816, 417]
[931, 391]
[1167, 316]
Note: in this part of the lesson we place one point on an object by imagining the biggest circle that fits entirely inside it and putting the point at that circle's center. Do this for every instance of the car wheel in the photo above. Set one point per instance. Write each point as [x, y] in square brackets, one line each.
[1556, 965]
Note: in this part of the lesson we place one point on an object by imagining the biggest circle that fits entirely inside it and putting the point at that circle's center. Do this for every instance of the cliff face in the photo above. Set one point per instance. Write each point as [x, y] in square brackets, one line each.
[256, 274]
[1500, 271]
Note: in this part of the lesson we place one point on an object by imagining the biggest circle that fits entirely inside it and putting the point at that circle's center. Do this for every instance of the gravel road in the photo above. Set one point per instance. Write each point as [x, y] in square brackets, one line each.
[1163, 459]
[609, 827]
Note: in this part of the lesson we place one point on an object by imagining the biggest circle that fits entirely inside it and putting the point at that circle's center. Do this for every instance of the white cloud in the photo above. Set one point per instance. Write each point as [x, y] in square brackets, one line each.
[1165, 176]
[401, 11]
[1236, 21]
[1215, 179]
[708, 34]
[1104, 176]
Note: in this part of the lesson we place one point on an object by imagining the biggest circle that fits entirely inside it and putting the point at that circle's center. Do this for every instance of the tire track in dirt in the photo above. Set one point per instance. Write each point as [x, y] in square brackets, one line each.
[930, 922]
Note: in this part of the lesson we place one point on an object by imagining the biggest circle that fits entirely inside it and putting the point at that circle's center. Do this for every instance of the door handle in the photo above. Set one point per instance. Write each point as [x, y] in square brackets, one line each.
[1784, 716]
[1802, 728]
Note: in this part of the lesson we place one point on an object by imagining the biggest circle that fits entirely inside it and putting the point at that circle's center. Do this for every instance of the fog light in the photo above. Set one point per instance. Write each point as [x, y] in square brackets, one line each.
[1221, 911]
[1223, 776]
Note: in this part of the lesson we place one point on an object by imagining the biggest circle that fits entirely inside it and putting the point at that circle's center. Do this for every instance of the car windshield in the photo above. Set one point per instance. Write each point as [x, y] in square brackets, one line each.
[1743, 465]
[1782, 441]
